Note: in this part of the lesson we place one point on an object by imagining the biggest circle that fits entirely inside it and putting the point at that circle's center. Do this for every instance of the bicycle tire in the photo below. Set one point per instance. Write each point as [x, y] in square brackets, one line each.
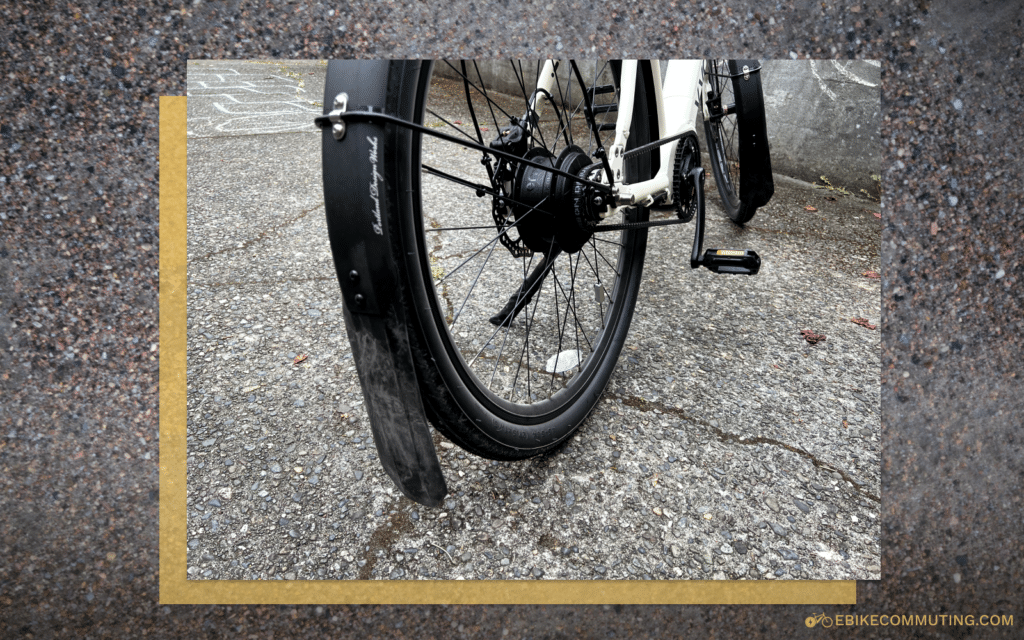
[737, 142]
[514, 418]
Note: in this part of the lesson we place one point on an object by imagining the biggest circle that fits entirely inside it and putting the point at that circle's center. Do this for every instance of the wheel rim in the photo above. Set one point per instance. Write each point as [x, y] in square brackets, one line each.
[724, 143]
[541, 361]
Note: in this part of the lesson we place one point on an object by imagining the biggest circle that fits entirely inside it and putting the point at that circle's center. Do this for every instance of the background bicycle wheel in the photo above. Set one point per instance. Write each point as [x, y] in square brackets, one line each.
[726, 447]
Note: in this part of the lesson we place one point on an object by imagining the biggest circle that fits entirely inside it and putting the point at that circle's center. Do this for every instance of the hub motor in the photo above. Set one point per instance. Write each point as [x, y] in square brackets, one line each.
[546, 203]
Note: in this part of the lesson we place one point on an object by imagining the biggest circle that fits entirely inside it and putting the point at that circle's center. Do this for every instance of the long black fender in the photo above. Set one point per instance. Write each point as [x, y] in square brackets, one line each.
[366, 254]
[756, 182]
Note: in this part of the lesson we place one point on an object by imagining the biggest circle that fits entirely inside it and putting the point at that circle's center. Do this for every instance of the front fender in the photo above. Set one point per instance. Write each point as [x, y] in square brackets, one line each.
[364, 248]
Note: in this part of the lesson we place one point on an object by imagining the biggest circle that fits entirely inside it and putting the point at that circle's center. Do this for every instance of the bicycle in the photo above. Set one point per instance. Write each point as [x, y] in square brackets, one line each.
[490, 255]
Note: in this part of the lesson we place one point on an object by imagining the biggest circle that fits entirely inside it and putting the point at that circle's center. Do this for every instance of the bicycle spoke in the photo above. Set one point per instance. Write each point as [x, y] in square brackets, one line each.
[526, 342]
[473, 286]
[576, 320]
[526, 349]
[594, 137]
[589, 111]
[730, 145]
[479, 89]
[572, 291]
[604, 294]
[490, 242]
[572, 295]
[597, 274]
[605, 259]
[469, 104]
[438, 229]
[530, 112]
[490, 103]
[458, 180]
[594, 265]
[563, 125]
[500, 326]
[554, 294]
[442, 119]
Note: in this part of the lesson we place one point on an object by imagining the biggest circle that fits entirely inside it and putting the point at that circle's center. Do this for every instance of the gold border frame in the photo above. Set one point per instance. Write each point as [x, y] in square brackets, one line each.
[175, 588]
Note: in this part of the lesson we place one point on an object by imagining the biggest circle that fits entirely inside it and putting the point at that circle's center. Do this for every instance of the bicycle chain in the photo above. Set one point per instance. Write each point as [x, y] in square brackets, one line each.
[622, 226]
[651, 146]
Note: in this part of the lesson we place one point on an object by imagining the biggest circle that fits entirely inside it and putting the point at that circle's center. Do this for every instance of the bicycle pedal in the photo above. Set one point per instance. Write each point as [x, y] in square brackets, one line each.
[732, 261]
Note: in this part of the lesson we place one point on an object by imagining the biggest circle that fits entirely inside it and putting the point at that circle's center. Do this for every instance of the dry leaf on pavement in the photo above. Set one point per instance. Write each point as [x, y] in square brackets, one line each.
[862, 322]
[811, 337]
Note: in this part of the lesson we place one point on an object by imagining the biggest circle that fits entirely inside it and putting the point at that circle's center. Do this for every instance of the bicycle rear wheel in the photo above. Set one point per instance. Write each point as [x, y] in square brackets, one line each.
[518, 321]
[737, 139]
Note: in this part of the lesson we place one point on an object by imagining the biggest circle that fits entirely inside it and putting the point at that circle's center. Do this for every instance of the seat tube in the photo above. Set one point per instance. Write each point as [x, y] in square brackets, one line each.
[545, 86]
[684, 81]
[627, 93]
[624, 120]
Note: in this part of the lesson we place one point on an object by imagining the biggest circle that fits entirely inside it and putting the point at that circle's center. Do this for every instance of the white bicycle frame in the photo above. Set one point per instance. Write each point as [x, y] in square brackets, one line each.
[677, 101]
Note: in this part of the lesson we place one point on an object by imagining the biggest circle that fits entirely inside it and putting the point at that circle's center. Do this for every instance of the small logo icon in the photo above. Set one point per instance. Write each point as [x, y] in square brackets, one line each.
[825, 621]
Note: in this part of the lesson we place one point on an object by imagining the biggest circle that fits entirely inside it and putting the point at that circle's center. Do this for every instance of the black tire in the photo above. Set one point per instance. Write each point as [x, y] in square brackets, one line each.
[737, 142]
[486, 387]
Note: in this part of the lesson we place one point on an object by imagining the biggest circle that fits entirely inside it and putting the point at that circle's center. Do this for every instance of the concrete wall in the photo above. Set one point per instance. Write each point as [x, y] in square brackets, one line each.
[499, 75]
[823, 116]
[823, 120]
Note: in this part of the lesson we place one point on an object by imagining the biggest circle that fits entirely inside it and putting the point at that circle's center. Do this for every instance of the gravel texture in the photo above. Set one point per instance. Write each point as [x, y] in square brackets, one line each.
[78, 300]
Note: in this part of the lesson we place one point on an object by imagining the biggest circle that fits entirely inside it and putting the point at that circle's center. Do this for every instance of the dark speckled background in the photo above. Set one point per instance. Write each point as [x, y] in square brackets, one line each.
[78, 296]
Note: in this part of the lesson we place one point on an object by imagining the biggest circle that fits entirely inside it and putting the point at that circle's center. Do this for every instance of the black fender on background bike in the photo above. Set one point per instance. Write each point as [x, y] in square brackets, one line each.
[737, 138]
[756, 183]
[375, 314]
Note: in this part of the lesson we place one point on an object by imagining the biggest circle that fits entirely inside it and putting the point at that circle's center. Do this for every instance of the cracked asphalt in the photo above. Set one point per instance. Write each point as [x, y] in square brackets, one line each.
[725, 447]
